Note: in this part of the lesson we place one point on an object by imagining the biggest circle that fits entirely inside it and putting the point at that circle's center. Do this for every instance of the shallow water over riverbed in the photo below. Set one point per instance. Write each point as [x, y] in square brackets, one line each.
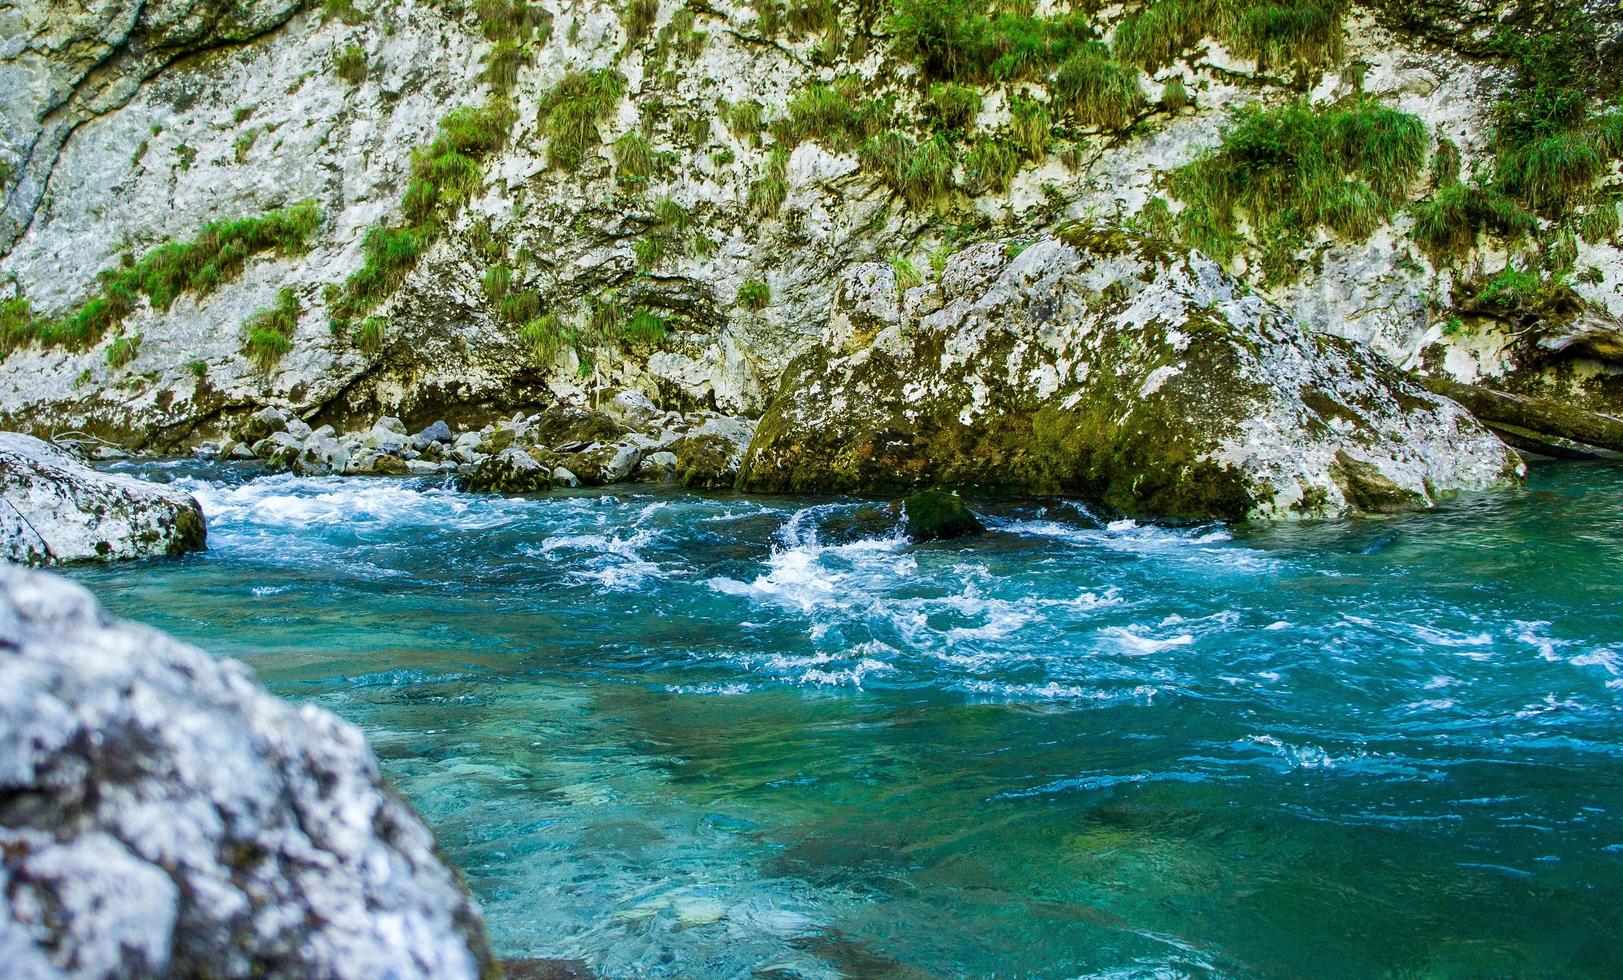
[713, 735]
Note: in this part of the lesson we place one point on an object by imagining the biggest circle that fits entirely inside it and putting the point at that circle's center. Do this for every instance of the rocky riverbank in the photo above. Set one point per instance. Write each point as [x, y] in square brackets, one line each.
[567, 445]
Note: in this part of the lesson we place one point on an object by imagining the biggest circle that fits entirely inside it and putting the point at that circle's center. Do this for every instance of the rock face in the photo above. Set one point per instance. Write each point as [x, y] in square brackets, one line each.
[55, 509]
[1117, 370]
[161, 814]
[130, 125]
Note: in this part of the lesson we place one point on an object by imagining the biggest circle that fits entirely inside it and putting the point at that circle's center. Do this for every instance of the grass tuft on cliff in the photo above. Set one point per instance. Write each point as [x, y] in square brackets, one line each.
[217, 255]
[1280, 173]
[572, 111]
[269, 332]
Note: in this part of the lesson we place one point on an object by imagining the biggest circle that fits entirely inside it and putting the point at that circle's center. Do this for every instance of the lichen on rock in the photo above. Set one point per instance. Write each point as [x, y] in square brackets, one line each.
[1115, 369]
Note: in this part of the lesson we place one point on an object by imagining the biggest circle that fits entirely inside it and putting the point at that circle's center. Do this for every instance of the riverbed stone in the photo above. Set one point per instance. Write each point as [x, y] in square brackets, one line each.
[934, 515]
[161, 814]
[58, 510]
[1116, 369]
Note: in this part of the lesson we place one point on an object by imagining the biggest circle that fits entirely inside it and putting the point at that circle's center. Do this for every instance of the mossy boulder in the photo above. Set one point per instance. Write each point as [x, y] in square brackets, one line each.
[935, 515]
[1124, 372]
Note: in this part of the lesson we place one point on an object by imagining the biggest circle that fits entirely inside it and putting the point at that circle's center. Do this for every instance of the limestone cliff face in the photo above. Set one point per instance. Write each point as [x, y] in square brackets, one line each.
[694, 271]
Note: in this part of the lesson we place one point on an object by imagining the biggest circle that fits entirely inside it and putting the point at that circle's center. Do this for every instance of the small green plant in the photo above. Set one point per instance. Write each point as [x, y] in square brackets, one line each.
[268, 334]
[243, 143]
[503, 64]
[497, 280]
[350, 64]
[754, 294]
[771, 188]
[637, 17]
[990, 165]
[834, 115]
[519, 306]
[649, 251]
[953, 106]
[939, 258]
[571, 112]
[744, 121]
[342, 10]
[545, 337]
[645, 326]
[123, 350]
[907, 274]
[920, 172]
[198, 369]
[370, 335]
[1029, 128]
[1099, 91]
[1447, 223]
[634, 159]
[1174, 96]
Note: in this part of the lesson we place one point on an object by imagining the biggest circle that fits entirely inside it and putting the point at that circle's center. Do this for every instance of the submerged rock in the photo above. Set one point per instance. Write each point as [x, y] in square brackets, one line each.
[56, 509]
[1108, 367]
[934, 515]
[161, 814]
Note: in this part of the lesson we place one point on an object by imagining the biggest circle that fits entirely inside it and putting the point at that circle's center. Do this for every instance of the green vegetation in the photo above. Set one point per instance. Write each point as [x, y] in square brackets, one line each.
[519, 306]
[1097, 90]
[350, 64]
[970, 41]
[907, 274]
[834, 115]
[990, 165]
[269, 332]
[571, 112]
[743, 120]
[1174, 96]
[771, 187]
[1295, 35]
[444, 176]
[513, 20]
[545, 336]
[123, 350]
[645, 326]
[919, 171]
[369, 337]
[498, 279]
[342, 10]
[1030, 127]
[754, 294]
[637, 17]
[950, 105]
[217, 255]
[1447, 224]
[502, 65]
[1289, 170]
[634, 158]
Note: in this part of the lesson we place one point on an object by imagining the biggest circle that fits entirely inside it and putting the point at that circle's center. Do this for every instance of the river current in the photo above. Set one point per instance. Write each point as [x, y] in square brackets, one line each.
[714, 735]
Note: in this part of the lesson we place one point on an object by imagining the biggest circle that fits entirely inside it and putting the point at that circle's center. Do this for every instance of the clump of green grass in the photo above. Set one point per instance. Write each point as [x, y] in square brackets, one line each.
[545, 336]
[1288, 170]
[834, 115]
[754, 294]
[503, 64]
[1174, 95]
[342, 10]
[771, 187]
[952, 106]
[907, 273]
[572, 111]
[1097, 90]
[919, 171]
[519, 306]
[637, 17]
[498, 279]
[743, 120]
[268, 334]
[217, 255]
[350, 64]
[513, 20]
[990, 165]
[1029, 127]
[123, 350]
[969, 41]
[645, 327]
[634, 158]
[372, 332]
[1447, 223]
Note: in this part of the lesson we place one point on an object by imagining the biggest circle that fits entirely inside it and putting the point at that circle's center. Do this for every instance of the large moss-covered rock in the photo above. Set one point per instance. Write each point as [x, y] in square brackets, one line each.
[1115, 369]
[55, 509]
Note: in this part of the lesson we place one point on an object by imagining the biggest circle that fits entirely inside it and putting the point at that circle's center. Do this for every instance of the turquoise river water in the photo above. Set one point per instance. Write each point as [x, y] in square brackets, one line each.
[681, 735]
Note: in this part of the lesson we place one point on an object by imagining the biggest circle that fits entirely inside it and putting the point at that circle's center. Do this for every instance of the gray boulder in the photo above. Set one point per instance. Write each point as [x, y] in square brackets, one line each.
[161, 814]
[321, 455]
[1115, 369]
[58, 510]
[261, 424]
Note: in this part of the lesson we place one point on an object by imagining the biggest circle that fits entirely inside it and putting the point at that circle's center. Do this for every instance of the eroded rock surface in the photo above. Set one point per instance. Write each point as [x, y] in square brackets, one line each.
[54, 509]
[1113, 368]
[161, 814]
